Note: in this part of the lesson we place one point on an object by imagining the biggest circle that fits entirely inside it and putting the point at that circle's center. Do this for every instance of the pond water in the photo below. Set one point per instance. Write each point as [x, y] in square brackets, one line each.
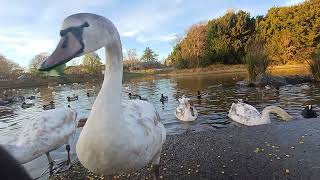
[222, 91]
[213, 110]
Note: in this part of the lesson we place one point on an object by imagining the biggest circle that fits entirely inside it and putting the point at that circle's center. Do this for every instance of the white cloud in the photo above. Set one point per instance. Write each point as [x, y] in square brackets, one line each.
[147, 21]
[293, 2]
[161, 38]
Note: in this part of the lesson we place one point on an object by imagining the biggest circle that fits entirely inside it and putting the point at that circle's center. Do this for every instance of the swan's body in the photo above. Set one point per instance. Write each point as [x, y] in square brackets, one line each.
[250, 116]
[43, 134]
[308, 112]
[186, 112]
[119, 136]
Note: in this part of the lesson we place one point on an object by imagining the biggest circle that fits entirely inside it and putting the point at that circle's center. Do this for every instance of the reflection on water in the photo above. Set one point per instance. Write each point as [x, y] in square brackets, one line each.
[212, 110]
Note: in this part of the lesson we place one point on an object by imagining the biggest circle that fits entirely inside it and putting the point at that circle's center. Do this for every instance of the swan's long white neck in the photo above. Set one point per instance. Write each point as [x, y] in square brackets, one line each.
[107, 106]
[265, 117]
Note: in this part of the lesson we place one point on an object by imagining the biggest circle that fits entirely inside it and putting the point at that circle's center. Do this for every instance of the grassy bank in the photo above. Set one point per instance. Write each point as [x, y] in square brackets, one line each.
[227, 69]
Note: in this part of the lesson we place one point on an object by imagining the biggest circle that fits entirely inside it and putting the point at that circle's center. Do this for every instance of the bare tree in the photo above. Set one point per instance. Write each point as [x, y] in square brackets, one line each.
[37, 61]
[8, 66]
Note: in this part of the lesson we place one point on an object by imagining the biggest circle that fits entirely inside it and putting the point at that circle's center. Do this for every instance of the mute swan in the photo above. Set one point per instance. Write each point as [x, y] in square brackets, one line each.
[119, 136]
[186, 112]
[250, 116]
[308, 112]
[44, 134]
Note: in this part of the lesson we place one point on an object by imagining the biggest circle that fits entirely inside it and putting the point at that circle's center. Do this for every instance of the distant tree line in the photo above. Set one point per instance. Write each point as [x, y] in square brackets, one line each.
[9, 68]
[148, 60]
[289, 34]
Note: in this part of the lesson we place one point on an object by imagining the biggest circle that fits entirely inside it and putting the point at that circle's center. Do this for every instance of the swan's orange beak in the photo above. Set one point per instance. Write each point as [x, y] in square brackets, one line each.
[68, 48]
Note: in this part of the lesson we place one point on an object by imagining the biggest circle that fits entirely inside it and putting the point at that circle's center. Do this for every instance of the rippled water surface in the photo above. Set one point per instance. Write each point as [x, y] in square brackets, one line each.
[212, 110]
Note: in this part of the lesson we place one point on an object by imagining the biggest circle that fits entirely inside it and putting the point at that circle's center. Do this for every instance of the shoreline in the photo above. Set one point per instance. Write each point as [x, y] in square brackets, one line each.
[276, 151]
[214, 70]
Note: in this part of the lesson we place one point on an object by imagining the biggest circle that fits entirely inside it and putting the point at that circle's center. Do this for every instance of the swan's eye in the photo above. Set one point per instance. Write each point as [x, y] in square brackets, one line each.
[65, 42]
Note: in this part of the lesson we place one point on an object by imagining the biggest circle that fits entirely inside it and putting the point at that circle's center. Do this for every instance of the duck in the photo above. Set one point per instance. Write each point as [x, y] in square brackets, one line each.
[202, 95]
[308, 112]
[8, 99]
[31, 97]
[186, 112]
[143, 99]
[49, 106]
[82, 122]
[27, 105]
[47, 132]
[120, 135]
[163, 98]
[133, 96]
[248, 115]
[73, 98]
[4, 110]
[305, 87]
[90, 94]
[268, 87]
[244, 100]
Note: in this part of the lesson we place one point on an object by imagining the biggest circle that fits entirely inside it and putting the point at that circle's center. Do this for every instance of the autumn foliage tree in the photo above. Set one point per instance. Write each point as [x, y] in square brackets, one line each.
[91, 63]
[193, 46]
[291, 34]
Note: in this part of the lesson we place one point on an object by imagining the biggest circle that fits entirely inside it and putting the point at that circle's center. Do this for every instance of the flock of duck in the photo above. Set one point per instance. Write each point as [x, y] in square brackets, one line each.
[119, 135]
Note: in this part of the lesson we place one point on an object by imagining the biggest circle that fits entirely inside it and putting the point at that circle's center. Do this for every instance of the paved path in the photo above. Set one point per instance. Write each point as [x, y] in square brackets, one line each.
[277, 151]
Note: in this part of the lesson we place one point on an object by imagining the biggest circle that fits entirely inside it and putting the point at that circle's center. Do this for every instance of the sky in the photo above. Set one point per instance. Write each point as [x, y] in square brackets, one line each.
[32, 27]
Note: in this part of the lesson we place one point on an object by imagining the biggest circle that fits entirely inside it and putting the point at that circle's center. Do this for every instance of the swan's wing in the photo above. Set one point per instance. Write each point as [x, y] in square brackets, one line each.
[244, 113]
[47, 132]
[147, 131]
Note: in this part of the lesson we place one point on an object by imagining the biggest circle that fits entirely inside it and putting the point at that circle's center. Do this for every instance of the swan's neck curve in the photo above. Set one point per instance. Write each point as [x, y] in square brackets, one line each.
[265, 117]
[107, 106]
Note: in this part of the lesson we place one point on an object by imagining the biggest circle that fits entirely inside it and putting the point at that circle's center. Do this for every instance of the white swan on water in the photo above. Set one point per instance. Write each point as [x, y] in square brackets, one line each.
[43, 134]
[250, 116]
[119, 136]
[186, 112]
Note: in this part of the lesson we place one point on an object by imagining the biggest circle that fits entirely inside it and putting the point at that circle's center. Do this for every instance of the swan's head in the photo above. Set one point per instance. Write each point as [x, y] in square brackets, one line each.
[80, 34]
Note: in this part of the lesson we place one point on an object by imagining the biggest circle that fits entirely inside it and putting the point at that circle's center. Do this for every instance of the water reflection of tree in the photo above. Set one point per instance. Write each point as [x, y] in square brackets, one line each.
[46, 95]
